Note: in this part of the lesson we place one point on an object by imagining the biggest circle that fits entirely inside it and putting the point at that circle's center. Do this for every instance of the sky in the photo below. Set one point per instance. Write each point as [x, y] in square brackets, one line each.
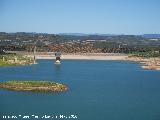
[80, 16]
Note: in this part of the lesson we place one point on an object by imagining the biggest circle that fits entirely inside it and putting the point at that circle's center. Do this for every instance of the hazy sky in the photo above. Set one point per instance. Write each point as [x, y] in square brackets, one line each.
[80, 16]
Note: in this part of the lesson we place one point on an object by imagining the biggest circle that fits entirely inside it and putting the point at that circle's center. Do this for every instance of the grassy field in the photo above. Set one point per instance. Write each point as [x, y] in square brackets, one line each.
[12, 60]
[30, 83]
[5, 63]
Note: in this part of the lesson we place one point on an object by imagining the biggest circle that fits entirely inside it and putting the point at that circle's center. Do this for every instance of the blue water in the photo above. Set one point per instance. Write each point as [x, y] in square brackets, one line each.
[98, 90]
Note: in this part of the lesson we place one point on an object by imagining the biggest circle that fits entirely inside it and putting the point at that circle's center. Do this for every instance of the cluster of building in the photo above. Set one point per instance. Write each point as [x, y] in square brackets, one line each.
[75, 47]
[75, 44]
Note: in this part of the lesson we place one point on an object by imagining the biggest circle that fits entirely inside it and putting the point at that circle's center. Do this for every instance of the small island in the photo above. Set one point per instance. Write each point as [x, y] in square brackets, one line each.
[33, 86]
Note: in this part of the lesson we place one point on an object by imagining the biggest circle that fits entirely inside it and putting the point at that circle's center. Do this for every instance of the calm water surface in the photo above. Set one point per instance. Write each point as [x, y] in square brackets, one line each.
[98, 90]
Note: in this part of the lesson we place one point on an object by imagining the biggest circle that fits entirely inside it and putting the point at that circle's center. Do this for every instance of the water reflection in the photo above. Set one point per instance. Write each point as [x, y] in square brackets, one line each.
[57, 71]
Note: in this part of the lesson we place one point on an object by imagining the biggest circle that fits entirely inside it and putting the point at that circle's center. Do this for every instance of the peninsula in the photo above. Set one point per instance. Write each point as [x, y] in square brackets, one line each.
[33, 86]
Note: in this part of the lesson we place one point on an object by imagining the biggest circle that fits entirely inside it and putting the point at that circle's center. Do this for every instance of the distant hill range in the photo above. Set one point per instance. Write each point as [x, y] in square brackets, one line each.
[148, 36]
[74, 34]
[86, 34]
[151, 36]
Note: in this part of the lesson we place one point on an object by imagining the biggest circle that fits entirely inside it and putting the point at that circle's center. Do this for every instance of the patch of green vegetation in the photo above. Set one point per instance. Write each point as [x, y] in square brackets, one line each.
[12, 60]
[148, 54]
[5, 63]
[30, 83]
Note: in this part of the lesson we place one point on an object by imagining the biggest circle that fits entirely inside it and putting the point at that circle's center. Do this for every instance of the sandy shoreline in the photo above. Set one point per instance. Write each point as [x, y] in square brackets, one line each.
[146, 63]
[84, 57]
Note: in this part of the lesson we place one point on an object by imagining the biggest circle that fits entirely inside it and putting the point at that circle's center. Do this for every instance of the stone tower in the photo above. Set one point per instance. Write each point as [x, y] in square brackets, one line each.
[58, 55]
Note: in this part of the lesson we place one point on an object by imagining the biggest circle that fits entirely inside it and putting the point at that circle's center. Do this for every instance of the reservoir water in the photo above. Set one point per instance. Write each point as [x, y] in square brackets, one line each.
[98, 90]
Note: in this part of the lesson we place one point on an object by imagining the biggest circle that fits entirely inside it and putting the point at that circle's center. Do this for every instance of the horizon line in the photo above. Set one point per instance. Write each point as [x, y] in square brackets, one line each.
[69, 33]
